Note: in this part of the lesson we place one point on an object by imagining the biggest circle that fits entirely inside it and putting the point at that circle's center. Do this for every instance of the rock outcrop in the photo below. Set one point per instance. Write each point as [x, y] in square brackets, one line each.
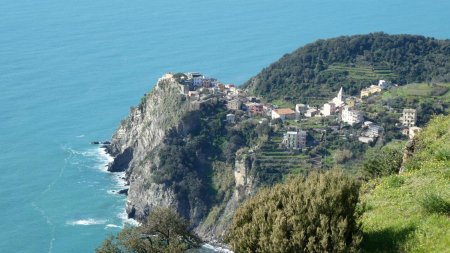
[408, 153]
[172, 150]
[135, 146]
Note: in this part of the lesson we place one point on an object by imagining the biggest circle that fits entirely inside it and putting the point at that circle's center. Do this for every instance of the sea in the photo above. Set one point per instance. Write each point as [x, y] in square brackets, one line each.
[71, 69]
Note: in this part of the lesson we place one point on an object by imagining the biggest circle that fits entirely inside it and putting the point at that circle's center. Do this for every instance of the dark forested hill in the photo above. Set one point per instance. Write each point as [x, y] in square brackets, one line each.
[353, 62]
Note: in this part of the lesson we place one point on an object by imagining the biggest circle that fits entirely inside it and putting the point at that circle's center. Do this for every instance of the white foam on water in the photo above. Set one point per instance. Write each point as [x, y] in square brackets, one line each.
[86, 222]
[103, 159]
[112, 226]
[216, 248]
[127, 221]
[80, 136]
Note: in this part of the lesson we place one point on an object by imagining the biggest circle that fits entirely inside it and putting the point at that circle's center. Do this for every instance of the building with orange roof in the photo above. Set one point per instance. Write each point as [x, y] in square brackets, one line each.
[283, 113]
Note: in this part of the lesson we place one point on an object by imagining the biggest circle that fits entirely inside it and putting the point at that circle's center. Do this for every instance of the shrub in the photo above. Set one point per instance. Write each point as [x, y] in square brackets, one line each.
[433, 203]
[394, 181]
[316, 214]
[164, 231]
[383, 161]
[341, 156]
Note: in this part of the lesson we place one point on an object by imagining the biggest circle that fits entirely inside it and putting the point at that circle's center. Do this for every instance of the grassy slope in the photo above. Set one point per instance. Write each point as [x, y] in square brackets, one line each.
[421, 90]
[394, 220]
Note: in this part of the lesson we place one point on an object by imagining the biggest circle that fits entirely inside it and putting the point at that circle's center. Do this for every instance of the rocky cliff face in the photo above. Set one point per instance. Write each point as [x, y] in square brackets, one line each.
[172, 149]
[136, 143]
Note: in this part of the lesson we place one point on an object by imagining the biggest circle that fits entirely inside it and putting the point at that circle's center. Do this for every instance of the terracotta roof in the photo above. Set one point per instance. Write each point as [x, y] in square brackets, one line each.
[284, 111]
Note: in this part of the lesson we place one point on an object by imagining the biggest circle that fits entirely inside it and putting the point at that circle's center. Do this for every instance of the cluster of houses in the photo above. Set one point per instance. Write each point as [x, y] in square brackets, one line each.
[367, 92]
[202, 88]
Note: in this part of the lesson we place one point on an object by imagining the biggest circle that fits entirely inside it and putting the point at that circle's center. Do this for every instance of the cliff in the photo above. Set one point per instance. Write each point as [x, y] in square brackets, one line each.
[172, 149]
[136, 143]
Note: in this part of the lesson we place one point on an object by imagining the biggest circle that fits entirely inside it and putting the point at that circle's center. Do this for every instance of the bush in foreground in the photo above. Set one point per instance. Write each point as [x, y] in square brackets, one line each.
[316, 214]
[163, 232]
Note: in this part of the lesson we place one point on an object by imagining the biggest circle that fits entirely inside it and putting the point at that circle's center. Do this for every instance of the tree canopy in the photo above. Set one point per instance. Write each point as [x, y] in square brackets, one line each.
[353, 62]
[163, 232]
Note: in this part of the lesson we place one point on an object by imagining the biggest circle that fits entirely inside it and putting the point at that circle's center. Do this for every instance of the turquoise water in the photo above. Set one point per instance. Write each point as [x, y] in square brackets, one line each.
[69, 71]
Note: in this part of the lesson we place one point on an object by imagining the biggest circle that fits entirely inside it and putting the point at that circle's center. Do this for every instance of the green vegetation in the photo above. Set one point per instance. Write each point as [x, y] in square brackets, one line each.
[409, 212]
[163, 232]
[313, 71]
[187, 157]
[197, 159]
[316, 214]
[405, 212]
[433, 203]
[384, 161]
[424, 90]
[428, 98]
[360, 73]
[319, 213]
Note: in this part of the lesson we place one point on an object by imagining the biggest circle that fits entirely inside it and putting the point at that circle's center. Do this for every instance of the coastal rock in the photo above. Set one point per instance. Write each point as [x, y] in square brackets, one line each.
[136, 143]
[121, 161]
[123, 191]
[168, 120]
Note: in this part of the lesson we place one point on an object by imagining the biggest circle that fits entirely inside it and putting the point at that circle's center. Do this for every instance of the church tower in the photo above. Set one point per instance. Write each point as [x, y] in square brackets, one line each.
[338, 100]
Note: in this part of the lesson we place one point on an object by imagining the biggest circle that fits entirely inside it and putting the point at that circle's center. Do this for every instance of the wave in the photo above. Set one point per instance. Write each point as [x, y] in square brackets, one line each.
[112, 226]
[97, 155]
[104, 158]
[127, 221]
[86, 222]
[212, 248]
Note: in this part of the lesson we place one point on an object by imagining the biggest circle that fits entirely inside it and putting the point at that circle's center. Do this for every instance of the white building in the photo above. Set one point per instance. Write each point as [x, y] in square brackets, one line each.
[300, 108]
[198, 81]
[373, 131]
[283, 114]
[311, 112]
[367, 92]
[413, 131]
[351, 116]
[383, 84]
[191, 75]
[295, 139]
[367, 123]
[231, 118]
[328, 109]
[267, 110]
[338, 100]
[409, 117]
[365, 139]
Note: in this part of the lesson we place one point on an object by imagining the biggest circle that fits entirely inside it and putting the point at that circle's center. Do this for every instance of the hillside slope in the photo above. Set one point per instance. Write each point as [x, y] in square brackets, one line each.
[315, 70]
[410, 212]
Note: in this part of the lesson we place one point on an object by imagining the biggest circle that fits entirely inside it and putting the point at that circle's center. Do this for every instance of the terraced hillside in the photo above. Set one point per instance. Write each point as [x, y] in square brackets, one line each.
[360, 72]
[273, 161]
[353, 62]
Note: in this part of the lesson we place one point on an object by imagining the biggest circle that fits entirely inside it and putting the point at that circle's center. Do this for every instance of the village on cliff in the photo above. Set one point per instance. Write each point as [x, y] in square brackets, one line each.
[342, 108]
